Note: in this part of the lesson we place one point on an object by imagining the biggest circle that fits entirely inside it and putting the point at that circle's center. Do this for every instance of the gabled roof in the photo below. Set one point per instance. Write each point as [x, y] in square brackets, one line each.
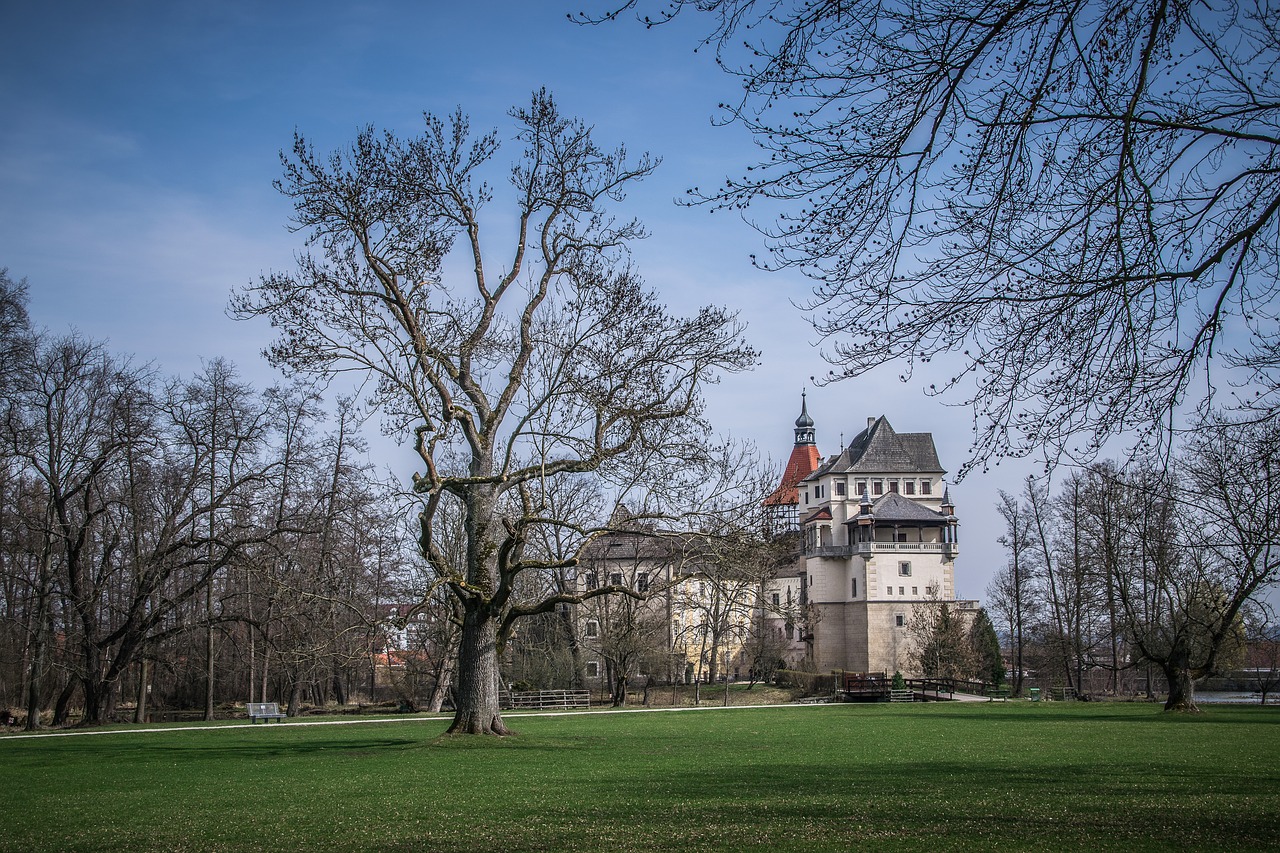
[823, 514]
[880, 450]
[894, 507]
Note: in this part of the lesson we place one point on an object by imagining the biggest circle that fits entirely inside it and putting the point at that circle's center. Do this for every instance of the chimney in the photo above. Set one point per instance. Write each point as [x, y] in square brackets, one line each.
[871, 422]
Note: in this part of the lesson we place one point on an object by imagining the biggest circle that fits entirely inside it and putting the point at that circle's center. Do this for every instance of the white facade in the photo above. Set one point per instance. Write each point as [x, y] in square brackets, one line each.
[879, 541]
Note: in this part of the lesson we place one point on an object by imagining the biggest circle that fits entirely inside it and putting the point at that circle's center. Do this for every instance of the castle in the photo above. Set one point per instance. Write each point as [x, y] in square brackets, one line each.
[874, 534]
[878, 535]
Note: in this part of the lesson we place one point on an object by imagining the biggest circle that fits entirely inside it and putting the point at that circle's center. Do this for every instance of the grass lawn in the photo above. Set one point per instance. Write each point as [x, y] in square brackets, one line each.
[936, 776]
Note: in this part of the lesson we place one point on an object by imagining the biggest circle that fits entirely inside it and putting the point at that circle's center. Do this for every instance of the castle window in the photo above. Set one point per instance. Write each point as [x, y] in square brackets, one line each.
[904, 569]
[593, 628]
[840, 489]
[888, 590]
[893, 486]
[902, 591]
[909, 487]
[915, 590]
[925, 488]
[593, 580]
[900, 620]
[777, 599]
[593, 669]
[615, 578]
[642, 582]
[861, 487]
[877, 487]
[855, 587]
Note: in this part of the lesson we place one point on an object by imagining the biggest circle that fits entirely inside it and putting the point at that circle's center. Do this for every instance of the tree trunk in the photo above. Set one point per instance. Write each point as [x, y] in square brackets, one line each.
[62, 708]
[477, 695]
[295, 694]
[140, 708]
[35, 681]
[40, 640]
[208, 644]
[1182, 690]
[444, 672]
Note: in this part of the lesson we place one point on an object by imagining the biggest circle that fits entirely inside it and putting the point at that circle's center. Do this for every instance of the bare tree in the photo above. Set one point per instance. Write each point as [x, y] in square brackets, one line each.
[1010, 590]
[1075, 201]
[561, 364]
[1184, 608]
[941, 647]
[224, 424]
[1262, 661]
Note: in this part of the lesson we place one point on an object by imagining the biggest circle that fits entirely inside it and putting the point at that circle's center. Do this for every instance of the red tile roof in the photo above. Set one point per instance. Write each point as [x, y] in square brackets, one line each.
[803, 462]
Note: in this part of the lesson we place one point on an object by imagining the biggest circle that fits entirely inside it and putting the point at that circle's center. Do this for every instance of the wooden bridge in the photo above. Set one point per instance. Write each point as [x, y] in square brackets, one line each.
[878, 687]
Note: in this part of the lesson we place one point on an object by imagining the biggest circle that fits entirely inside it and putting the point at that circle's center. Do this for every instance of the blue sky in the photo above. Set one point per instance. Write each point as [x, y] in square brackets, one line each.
[140, 140]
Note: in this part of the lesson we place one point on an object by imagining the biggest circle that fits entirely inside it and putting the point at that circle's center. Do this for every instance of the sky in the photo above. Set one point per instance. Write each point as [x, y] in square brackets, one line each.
[140, 141]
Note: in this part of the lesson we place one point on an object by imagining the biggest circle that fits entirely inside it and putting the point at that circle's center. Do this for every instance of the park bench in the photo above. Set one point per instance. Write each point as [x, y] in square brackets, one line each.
[264, 711]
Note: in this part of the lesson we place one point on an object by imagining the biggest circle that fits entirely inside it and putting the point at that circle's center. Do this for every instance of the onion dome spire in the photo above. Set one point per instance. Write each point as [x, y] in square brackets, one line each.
[804, 423]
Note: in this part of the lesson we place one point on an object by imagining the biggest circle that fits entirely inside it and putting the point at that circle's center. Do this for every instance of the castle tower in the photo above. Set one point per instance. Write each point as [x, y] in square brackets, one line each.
[782, 504]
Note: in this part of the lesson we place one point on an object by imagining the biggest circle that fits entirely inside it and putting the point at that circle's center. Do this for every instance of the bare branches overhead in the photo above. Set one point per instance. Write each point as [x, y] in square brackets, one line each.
[1072, 204]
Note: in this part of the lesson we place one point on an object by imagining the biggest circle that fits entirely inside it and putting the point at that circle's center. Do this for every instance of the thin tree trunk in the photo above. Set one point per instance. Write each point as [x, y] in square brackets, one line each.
[140, 711]
[444, 671]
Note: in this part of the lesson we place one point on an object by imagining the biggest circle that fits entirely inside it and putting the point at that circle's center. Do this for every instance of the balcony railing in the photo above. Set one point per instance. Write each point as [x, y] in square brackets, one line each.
[859, 548]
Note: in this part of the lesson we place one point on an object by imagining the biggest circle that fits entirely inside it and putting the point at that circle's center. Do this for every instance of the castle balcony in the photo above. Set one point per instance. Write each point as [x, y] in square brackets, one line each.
[864, 549]
[947, 548]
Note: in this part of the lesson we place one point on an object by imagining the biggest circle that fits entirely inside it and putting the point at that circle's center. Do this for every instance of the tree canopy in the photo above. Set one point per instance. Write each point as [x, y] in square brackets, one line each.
[1072, 205]
[507, 371]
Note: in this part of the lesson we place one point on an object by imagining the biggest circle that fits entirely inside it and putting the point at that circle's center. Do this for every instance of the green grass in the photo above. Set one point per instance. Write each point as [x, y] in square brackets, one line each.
[938, 776]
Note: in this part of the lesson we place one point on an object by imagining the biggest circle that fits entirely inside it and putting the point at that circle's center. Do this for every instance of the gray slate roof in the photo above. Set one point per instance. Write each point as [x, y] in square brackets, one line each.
[880, 450]
[894, 507]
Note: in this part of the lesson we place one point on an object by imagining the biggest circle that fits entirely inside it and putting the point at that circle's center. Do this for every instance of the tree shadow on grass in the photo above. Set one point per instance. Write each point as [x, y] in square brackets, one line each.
[144, 751]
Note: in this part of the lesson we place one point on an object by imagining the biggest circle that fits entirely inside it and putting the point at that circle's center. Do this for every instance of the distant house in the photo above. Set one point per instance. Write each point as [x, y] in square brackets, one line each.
[691, 623]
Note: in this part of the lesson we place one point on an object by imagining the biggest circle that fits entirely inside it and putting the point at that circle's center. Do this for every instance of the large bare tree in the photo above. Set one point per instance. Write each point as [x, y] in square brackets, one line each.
[1184, 603]
[551, 361]
[1074, 202]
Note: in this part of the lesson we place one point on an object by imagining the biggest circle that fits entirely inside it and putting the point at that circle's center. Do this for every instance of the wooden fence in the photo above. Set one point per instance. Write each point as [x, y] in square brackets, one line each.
[547, 700]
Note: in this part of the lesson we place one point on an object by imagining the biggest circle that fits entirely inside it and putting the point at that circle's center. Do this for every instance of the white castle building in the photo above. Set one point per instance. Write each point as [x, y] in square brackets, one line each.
[879, 535]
